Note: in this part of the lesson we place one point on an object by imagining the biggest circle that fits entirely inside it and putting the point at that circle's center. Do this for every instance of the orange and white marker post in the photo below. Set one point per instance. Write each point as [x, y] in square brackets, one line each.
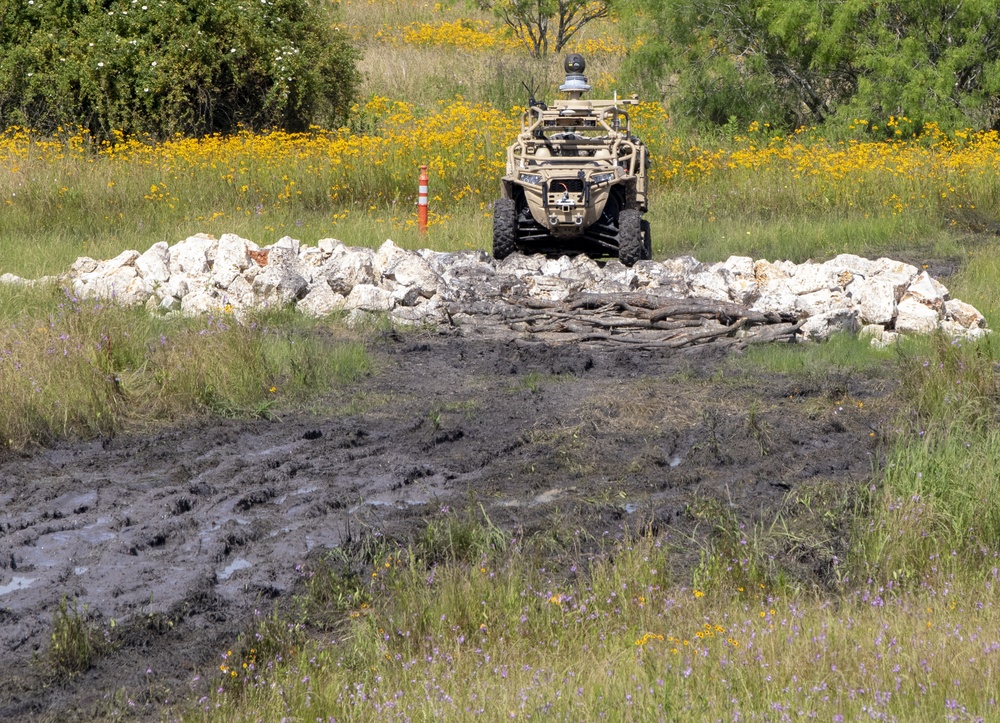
[422, 201]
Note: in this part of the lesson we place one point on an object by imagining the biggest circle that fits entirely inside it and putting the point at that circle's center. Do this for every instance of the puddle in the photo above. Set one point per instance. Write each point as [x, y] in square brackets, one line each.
[75, 537]
[387, 503]
[238, 564]
[17, 583]
[549, 496]
[630, 508]
[80, 570]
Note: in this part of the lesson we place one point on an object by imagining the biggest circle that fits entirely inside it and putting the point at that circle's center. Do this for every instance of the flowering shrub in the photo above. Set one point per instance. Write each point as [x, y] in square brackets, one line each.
[165, 67]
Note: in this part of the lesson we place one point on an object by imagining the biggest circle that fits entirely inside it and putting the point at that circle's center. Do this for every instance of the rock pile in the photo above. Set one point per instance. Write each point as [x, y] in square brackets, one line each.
[201, 274]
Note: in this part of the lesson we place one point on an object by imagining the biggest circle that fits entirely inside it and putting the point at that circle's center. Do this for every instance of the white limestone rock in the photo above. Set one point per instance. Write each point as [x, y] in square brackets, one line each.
[387, 255]
[521, 266]
[348, 267]
[202, 300]
[462, 269]
[193, 255]
[855, 265]
[313, 261]
[367, 297]
[168, 303]
[821, 326]
[772, 275]
[288, 243]
[285, 258]
[555, 267]
[709, 283]
[957, 331]
[741, 282]
[177, 286]
[327, 245]
[682, 265]
[886, 340]
[83, 265]
[927, 291]
[822, 301]
[917, 318]
[412, 271]
[876, 299]
[964, 314]
[231, 259]
[618, 275]
[154, 264]
[810, 278]
[239, 293]
[115, 279]
[550, 289]
[897, 273]
[126, 259]
[583, 268]
[410, 315]
[778, 301]
[278, 286]
[202, 275]
[321, 301]
[663, 278]
[405, 295]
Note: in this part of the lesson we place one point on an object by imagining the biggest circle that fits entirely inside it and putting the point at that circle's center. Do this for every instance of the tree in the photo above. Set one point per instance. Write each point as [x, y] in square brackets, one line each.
[185, 66]
[800, 61]
[531, 20]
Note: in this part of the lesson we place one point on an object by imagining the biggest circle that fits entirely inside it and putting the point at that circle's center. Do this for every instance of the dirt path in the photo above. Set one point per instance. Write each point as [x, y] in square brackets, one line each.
[179, 536]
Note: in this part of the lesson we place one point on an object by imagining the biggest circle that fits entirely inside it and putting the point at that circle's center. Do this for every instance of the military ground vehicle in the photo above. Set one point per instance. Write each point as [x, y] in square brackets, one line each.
[576, 180]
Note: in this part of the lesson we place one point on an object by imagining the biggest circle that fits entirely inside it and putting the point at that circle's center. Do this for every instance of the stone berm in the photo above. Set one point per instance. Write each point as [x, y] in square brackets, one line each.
[879, 298]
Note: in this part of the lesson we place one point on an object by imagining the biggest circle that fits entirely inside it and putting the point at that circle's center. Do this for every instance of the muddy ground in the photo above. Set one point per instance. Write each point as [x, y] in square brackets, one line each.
[178, 536]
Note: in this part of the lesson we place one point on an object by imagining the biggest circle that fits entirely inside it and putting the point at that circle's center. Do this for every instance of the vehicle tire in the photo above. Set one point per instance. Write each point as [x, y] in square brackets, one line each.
[630, 248]
[504, 228]
[647, 241]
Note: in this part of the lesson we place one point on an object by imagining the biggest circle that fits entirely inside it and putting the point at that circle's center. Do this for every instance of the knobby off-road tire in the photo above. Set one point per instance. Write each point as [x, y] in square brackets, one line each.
[630, 247]
[647, 241]
[504, 228]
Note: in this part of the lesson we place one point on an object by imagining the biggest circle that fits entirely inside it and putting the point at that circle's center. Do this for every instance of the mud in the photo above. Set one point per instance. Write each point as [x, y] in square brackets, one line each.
[172, 539]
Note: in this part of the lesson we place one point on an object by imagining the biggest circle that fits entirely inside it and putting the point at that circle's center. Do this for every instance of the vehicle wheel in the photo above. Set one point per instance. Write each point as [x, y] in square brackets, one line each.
[504, 228]
[630, 247]
[647, 241]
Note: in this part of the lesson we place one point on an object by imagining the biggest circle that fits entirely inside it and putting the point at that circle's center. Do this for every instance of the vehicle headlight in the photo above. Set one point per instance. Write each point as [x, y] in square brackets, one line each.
[533, 178]
[602, 177]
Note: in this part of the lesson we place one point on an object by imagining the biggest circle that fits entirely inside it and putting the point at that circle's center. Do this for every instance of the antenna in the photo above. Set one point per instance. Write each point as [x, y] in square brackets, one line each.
[532, 103]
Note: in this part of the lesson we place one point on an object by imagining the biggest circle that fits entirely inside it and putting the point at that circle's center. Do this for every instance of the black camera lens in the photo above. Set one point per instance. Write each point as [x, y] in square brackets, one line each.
[575, 64]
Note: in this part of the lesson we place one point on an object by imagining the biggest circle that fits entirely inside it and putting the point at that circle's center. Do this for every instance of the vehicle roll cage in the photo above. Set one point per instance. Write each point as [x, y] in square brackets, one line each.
[566, 122]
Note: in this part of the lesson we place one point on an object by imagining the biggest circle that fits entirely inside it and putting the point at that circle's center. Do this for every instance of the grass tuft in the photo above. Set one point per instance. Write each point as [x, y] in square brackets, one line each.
[75, 640]
[76, 368]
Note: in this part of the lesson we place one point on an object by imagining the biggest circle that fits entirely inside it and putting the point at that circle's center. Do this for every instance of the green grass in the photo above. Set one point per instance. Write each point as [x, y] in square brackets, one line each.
[75, 642]
[841, 354]
[678, 229]
[935, 512]
[71, 368]
[465, 620]
[504, 633]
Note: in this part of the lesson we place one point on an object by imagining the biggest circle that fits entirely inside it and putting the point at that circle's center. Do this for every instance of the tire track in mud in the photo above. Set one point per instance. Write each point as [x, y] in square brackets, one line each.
[179, 535]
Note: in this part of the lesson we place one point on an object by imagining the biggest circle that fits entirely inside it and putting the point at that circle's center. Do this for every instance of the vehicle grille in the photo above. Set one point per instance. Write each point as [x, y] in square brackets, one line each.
[572, 185]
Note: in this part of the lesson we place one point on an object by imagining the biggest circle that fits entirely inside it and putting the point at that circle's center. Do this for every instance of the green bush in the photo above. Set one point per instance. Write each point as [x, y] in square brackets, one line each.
[158, 68]
[898, 64]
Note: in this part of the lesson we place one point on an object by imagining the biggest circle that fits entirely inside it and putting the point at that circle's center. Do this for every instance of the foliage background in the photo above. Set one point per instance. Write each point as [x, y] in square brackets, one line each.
[160, 68]
[800, 63]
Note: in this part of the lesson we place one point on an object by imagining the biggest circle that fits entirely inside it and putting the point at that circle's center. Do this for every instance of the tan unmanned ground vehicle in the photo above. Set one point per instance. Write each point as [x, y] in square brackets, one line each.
[576, 179]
